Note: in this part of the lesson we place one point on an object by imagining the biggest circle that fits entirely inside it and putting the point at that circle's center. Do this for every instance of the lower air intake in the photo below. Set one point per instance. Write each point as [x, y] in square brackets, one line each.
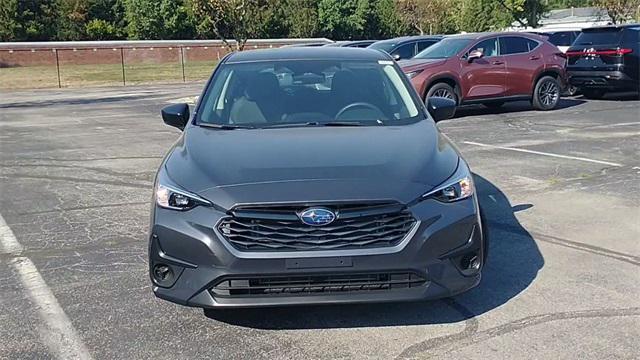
[317, 284]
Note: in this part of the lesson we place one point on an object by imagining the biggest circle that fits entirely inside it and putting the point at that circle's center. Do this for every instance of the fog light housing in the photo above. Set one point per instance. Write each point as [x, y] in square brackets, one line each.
[470, 263]
[163, 274]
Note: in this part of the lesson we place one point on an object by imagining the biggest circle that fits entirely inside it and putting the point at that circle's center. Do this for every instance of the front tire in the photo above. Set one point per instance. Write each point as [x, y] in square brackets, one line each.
[442, 90]
[546, 93]
[593, 94]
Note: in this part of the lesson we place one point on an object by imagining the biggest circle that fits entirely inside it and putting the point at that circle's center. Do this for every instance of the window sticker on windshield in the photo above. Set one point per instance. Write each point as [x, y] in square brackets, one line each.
[385, 62]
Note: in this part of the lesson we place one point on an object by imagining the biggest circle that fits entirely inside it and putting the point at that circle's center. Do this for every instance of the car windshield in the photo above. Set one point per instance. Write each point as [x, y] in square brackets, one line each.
[385, 46]
[443, 49]
[307, 93]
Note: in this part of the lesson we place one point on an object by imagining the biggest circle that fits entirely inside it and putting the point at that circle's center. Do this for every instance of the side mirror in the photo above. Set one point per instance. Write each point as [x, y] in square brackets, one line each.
[475, 54]
[441, 108]
[176, 115]
[396, 57]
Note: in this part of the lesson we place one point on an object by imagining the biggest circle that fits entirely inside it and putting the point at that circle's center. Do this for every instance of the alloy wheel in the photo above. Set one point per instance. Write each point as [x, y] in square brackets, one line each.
[549, 93]
[443, 93]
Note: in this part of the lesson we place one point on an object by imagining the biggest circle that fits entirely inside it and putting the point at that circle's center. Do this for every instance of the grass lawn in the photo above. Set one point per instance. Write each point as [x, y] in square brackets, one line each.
[102, 74]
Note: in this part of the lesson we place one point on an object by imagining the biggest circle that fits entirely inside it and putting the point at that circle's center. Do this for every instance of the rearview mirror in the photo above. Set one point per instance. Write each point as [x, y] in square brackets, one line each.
[441, 108]
[475, 54]
[176, 115]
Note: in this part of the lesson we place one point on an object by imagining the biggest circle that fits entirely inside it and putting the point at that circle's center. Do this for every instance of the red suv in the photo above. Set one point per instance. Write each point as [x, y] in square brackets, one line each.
[490, 68]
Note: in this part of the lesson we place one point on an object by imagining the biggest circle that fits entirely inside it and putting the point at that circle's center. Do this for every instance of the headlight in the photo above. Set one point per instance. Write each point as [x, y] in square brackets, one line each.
[413, 74]
[170, 197]
[457, 187]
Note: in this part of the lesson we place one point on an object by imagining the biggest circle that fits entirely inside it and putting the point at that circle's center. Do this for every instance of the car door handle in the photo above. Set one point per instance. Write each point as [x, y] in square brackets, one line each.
[534, 57]
[497, 62]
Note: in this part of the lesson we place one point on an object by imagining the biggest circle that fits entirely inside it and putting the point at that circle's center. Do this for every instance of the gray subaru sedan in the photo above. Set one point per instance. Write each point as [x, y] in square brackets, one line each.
[312, 176]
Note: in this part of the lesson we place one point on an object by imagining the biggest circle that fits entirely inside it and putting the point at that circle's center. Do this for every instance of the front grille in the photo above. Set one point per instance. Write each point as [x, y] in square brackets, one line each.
[316, 284]
[280, 229]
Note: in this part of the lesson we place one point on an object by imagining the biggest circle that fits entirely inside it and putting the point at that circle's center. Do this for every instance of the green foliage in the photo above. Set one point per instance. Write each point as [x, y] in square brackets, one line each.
[389, 22]
[112, 24]
[158, 19]
[35, 20]
[72, 18]
[98, 29]
[481, 15]
[301, 17]
[346, 19]
[31, 20]
[8, 19]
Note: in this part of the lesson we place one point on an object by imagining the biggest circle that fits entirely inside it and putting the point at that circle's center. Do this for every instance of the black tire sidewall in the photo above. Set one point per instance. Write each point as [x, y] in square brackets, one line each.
[537, 104]
[441, 85]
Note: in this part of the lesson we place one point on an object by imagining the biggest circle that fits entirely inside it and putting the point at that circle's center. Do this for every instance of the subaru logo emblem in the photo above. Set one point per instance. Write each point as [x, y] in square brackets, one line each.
[317, 216]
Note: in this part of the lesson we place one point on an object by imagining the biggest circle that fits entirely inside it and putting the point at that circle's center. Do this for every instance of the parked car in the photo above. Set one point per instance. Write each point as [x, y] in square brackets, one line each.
[405, 47]
[308, 44]
[605, 59]
[562, 38]
[318, 190]
[490, 68]
[352, 43]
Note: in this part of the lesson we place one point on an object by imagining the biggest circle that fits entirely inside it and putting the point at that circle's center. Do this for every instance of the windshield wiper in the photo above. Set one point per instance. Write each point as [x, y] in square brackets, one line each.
[226, 126]
[341, 123]
[315, 123]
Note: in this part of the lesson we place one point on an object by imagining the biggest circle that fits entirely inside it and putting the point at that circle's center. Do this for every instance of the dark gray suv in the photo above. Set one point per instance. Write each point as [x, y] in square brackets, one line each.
[312, 175]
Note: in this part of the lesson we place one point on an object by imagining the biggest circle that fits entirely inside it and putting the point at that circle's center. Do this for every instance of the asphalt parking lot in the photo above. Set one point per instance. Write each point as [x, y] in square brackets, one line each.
[560, 190]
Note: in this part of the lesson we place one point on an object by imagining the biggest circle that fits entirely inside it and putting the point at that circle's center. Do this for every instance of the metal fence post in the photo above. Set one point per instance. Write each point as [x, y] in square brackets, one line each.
[58, 68]
[182, 61]
[124, 79]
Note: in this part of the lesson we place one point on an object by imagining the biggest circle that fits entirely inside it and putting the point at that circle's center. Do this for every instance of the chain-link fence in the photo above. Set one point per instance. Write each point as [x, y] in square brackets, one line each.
[123, 63]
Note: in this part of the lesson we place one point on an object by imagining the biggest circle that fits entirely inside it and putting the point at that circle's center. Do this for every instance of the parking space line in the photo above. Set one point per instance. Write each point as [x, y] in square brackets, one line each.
[545, 154]
[57, 333]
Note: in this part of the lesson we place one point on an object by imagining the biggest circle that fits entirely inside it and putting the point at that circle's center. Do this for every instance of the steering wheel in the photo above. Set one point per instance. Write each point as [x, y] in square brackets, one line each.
[358, 105]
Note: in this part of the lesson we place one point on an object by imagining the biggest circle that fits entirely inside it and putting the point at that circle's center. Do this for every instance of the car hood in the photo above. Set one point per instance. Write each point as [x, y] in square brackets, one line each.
[311, 164]
[416, 64]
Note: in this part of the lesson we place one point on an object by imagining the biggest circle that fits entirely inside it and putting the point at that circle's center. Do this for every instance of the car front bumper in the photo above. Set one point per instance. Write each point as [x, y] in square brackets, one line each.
[436, 253]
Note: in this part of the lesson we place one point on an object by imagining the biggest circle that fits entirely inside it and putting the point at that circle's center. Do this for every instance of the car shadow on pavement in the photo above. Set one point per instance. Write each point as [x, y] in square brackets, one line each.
[513, 264]
[619, 96]
[510, 107]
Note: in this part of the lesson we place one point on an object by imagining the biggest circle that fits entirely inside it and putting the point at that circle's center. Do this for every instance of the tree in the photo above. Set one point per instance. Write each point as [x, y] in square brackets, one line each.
[301, 17]
[229, 19]
[620, 11]
[526, 12]
[107, 20]
[158, 19]
[389, 22]
[425, 16]
[72, 19]
[36, 20]
[345, 19]
[8, 19]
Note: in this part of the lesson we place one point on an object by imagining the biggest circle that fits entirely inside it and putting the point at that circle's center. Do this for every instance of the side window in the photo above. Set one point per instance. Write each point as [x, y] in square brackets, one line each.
[532, 44]
[424, 44]
[488, 47]
[562, 38]
[513, 45]
[404, 51]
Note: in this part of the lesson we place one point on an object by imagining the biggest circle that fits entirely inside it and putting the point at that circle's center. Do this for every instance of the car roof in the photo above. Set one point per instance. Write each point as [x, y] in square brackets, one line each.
[404, 39]
[307, 53]
[606, 27]
[481, 35]
[350, 42]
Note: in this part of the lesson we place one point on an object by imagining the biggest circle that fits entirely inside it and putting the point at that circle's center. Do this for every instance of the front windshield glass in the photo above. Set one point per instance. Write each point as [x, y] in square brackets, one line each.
[305, 92]
[443, 49]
